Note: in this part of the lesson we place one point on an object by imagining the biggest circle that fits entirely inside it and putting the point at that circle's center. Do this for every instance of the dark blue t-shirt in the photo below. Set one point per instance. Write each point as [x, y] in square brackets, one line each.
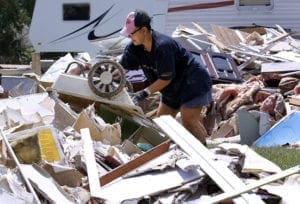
[168, 60]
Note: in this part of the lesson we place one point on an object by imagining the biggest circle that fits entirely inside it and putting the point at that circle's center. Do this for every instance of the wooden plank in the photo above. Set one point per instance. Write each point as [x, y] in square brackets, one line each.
[227, 36]
[129, 166]
[90, 161]
[273, 40]
[223, 177]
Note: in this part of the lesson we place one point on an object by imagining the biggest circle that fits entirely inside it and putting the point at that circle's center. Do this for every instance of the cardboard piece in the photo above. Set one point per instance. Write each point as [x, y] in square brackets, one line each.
[64, 176]
[110, 133]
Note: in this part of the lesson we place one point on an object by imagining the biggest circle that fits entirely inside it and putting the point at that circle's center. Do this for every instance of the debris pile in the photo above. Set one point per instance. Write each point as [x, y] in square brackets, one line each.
[62, 143]
[256, 71]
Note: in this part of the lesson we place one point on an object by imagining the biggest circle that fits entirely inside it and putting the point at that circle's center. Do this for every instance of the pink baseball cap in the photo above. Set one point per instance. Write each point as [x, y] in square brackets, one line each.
[129, 26]
[135, 19]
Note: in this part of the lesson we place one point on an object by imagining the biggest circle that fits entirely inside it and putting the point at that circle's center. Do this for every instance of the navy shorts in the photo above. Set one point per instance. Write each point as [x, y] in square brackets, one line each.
[198, 101]
[192, 90]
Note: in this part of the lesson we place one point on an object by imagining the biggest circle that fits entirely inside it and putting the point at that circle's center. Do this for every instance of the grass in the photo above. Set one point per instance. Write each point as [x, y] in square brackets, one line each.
[283, 157]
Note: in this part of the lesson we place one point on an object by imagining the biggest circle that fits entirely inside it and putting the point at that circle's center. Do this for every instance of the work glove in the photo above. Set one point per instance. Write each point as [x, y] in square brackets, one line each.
[139, 96]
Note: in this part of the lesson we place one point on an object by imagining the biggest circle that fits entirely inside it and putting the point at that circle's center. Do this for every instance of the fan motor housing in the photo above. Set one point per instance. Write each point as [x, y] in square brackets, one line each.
[107, 78]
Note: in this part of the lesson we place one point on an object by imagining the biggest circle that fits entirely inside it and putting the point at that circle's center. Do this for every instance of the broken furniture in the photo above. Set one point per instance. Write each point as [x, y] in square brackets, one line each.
[221, 67]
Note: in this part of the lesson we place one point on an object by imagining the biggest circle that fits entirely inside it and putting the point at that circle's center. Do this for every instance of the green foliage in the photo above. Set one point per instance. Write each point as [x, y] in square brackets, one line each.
[15, 19]
[28, 5]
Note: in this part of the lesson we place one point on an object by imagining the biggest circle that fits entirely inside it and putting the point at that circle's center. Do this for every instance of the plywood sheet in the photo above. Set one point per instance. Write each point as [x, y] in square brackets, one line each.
[229, 37]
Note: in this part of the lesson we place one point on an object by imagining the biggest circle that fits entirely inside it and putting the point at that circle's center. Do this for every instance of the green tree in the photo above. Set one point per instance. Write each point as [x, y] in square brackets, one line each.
[15, 17]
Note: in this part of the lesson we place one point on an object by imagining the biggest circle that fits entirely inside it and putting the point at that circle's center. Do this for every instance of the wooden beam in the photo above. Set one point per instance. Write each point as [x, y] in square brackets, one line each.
[36, 63]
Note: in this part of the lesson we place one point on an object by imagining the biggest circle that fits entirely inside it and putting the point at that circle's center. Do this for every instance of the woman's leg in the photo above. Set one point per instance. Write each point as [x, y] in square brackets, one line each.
[163, 109]
[192, 121]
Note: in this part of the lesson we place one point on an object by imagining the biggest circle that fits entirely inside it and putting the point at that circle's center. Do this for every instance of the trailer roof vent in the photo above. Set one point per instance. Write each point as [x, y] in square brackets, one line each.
[254, 5]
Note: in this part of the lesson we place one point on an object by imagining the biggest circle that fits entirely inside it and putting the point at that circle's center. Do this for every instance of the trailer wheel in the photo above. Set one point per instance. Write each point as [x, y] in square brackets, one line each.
[107, 78]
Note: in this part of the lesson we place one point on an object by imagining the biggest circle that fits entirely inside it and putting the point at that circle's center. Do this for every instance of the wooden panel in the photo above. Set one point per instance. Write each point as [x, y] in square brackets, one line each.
[121, 170]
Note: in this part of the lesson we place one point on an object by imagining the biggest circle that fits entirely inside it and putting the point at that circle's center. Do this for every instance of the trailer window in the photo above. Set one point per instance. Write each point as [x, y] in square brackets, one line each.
[254, 4]
[78, 11]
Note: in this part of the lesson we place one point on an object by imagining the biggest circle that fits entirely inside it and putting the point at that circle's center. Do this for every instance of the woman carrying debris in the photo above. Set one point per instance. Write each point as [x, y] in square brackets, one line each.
[183, 82]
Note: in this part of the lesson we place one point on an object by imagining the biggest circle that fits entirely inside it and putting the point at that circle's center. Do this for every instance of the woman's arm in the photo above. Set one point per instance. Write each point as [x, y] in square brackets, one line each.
[158, 85]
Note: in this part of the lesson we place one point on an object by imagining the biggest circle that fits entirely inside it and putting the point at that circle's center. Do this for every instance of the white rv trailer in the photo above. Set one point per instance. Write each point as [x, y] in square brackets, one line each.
[71, 25]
